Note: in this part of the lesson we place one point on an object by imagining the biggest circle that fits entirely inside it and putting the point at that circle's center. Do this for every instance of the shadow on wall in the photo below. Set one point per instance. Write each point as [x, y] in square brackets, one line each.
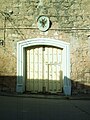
[80, 87]
[8, 84]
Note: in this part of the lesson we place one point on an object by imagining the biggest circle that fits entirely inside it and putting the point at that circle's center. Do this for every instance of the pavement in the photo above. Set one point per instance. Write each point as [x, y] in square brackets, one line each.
[47, 96]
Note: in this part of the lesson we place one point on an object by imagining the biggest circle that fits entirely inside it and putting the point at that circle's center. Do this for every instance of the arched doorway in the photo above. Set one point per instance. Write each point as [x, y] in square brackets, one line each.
[43, 65]
[44, 69]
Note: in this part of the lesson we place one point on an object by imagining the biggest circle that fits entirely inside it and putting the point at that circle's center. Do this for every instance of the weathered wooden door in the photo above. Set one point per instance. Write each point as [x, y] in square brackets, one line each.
[44, 69]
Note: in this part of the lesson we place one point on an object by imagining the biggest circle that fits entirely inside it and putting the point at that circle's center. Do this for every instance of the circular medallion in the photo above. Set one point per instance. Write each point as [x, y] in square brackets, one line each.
[43, 23]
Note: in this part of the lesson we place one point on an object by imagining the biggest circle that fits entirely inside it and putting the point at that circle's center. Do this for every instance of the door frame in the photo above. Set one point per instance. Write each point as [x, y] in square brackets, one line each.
[20, 85]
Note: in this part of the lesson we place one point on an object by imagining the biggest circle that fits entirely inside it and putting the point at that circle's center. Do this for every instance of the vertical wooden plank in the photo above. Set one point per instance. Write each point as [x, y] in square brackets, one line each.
[27, 64]
[40, 69]
[53, 68]
[50, 60]
[50, 77]
[58, 78]
[50, 57]
[55, 77]
[59, 56]
[31, 70]
[27, 82]
[45, 68]
[35, 70]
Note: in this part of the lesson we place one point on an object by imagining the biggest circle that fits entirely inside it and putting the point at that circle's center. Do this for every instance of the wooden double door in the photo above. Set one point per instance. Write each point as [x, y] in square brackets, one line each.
[44, 69]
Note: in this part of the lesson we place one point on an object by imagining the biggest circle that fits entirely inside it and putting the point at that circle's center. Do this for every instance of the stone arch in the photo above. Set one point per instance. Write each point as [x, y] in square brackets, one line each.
[20, 86]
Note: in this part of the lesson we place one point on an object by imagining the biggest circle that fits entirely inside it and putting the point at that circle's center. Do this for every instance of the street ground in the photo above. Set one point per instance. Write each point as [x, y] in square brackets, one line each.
[22, 108]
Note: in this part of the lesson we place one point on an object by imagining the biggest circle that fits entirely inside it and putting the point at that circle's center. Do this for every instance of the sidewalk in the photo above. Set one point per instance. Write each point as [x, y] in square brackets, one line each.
[45, 96]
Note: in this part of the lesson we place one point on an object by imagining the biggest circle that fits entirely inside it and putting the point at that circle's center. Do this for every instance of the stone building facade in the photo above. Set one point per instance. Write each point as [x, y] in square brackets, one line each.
[69, 22]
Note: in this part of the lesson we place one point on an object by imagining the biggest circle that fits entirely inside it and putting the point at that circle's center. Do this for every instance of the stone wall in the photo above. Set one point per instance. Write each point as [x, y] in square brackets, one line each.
[70, 22]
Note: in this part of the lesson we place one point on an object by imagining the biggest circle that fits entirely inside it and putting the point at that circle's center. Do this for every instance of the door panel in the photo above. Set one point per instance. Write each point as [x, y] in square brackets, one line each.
[44, 69]
[55, 79]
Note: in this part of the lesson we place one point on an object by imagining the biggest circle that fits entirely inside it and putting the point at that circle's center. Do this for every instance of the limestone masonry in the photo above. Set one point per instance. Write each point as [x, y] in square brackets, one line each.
[70, 22]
